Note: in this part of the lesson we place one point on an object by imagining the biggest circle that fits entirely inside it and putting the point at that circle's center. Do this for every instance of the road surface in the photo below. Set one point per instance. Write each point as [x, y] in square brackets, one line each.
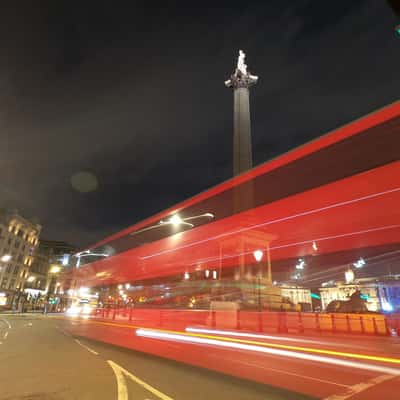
[40, 360]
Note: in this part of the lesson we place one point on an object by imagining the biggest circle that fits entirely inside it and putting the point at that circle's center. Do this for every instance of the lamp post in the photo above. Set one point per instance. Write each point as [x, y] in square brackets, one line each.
[54, 270]
[258, 255]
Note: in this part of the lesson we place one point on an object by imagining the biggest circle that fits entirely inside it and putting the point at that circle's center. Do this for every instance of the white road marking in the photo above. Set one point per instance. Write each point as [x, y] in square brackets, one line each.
[360, 387]
[86, 347]
[137, 380]
[8, 324]
[5, 335]
[63, 332]
[121, 384]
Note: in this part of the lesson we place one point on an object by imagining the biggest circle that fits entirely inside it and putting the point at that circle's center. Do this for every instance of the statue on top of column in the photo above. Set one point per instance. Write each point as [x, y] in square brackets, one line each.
[241, 77]
[241, 66]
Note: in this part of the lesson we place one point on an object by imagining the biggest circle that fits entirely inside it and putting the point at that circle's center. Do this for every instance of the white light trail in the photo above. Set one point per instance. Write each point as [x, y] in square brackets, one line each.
[381, 228]
[302, 214]
[153, 334]
[252, 335]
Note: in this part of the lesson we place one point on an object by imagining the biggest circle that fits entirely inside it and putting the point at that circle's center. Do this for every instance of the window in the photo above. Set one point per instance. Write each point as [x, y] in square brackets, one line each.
[4, 283]
[16, 269]
[9, 240]
[12, 284]
[8, 270]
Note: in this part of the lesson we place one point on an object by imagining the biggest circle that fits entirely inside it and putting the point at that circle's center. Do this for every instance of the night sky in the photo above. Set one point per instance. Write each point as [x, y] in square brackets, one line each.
[111, 112]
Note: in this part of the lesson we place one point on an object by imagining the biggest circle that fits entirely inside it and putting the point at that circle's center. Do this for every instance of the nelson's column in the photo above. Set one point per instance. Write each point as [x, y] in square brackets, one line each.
[240, 81]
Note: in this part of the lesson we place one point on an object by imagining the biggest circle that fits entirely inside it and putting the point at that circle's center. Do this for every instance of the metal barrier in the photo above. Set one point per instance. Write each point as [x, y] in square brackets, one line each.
[256, 321]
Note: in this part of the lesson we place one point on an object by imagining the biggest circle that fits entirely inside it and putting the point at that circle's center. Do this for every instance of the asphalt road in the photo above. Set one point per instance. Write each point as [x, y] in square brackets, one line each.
[40, 360]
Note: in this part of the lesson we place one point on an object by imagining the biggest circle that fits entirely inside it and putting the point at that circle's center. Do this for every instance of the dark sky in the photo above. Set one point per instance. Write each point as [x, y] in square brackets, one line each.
[133, 93]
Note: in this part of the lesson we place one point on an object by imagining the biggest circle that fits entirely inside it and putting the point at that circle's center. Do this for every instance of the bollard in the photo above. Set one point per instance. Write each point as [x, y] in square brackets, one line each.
[260, 327]
[130, 314]
[282, 326]
[213, 319]
[376, 332]
[333, 322]
[348, 323]
[300, 324]
[238, 320]
[362, 324]
[317, 324]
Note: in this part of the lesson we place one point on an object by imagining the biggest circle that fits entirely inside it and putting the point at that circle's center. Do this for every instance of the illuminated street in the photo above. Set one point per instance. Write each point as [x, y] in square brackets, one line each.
[40, 357]
[40, 360]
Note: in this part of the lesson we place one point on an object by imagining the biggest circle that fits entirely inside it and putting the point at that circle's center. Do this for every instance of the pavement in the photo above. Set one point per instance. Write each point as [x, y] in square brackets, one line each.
[41, 359]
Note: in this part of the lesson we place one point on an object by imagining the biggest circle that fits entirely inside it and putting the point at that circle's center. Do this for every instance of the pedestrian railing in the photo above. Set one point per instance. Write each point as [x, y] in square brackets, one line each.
[255, 321]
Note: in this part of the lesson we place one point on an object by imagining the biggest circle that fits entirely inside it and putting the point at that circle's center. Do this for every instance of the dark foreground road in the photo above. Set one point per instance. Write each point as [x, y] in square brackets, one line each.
[39, 360]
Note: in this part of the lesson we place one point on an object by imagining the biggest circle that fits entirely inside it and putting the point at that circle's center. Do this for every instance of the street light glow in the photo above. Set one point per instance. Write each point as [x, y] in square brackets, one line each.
[6, 257]
[175, 220]
[360, 263]
[31, 279]
[349, 275]
[301, 264]
[258, 255]
[55, 269]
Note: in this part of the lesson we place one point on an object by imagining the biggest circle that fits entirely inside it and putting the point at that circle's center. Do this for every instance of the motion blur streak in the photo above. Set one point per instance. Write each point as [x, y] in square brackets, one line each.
[296, 348]
[302, 214]
[241, 345]
[253, 335]
[320, 239]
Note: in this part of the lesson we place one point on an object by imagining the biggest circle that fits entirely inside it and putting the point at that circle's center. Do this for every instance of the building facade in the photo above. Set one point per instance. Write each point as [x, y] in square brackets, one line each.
[52, 258]
[19, 239]
[43, 288]
[380, 294]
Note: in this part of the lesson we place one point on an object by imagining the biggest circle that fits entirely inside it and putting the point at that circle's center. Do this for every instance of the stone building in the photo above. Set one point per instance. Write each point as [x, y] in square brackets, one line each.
[19, 239]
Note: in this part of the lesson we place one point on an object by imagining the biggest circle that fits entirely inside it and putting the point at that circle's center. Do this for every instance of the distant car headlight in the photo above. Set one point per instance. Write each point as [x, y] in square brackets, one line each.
[73, 310]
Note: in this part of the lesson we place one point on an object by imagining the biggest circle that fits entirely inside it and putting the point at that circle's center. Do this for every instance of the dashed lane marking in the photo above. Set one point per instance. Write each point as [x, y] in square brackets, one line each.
[63, 332]
[360, 387]
[121, 372]
[5, 335]
[86, 347]
[6, 322]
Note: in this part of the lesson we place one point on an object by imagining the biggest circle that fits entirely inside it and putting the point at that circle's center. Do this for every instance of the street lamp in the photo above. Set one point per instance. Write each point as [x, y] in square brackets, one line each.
[258, 255]
[55, 269]
[5, 258]
[349, 275]
[360, 263]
